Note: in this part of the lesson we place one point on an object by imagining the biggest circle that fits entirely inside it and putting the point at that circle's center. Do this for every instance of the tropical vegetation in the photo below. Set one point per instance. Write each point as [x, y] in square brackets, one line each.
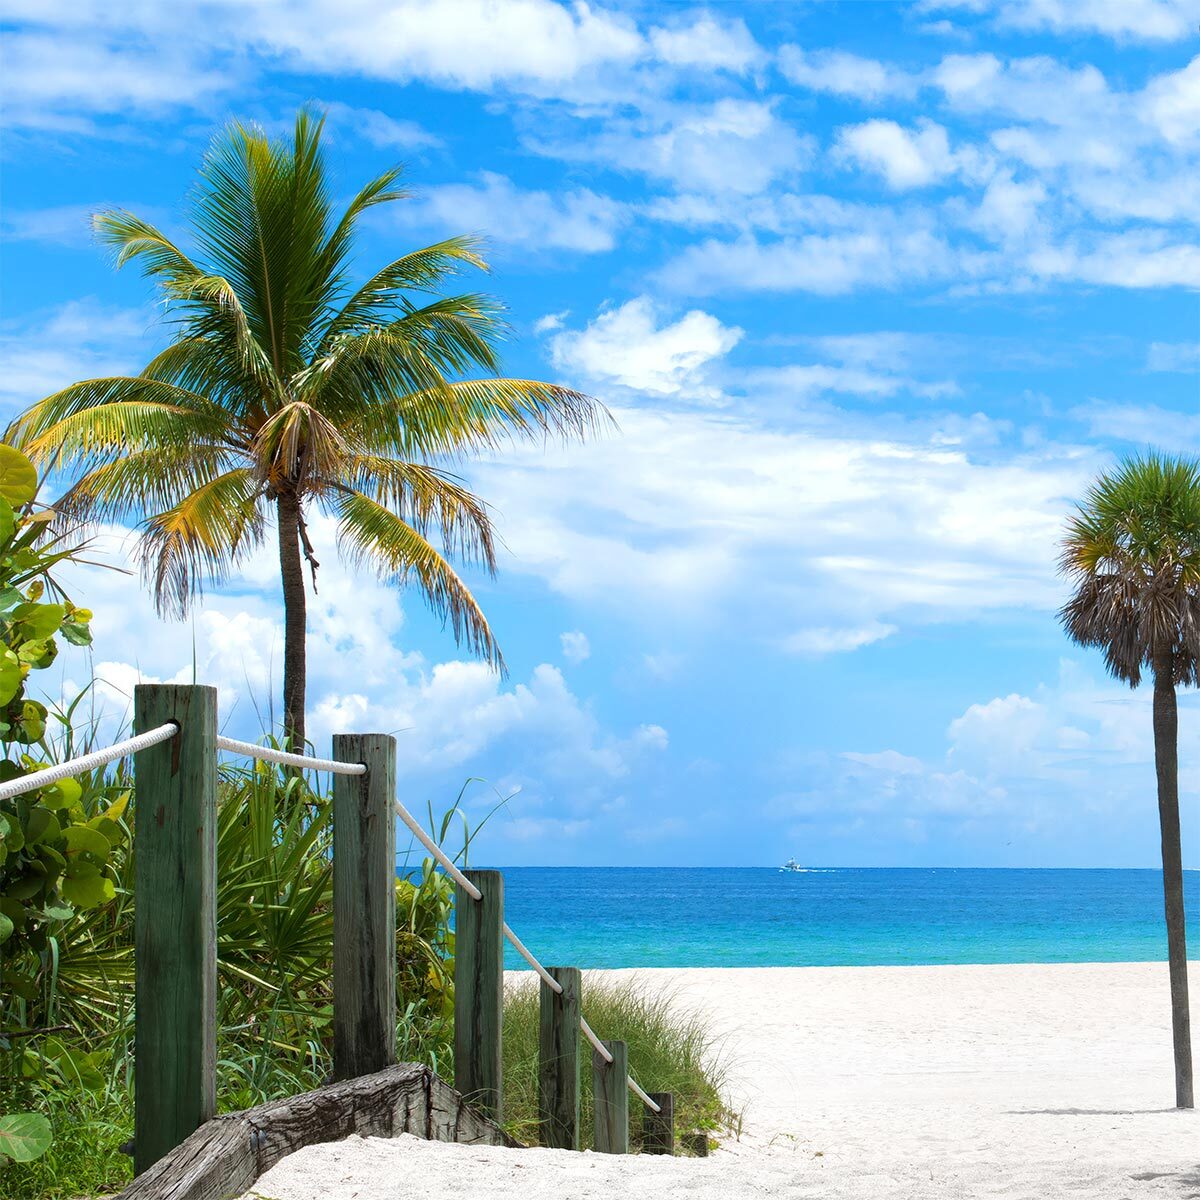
[290, 387]
[1132, 555]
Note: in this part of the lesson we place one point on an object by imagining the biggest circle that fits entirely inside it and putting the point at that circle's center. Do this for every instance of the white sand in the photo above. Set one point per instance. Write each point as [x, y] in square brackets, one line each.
[1037, 1082]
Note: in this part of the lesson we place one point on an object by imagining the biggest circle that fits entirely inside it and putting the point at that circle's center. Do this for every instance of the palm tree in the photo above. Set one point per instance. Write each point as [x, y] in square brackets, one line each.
[1132, 554]
[286, 387]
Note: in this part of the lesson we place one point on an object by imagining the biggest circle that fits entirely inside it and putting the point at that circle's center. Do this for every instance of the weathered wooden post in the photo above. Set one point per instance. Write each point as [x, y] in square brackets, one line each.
[364, 906]
[175, 918]
[558, 1059]
[479, 991]
[696, 1143]
[658, 1128]
[610, 1099]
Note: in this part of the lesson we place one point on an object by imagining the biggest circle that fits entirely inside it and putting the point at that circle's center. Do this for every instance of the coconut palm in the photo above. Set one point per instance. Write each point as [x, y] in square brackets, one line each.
[1132, 554]
[287, 388]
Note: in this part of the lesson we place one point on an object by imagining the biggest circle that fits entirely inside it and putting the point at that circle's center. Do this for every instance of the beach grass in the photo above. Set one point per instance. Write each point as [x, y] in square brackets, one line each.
[671, 1049]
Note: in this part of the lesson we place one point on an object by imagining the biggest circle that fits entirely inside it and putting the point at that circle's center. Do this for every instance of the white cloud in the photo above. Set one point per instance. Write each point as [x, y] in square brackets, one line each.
[1141, 20]
[827, 265]
[845, 74]
[456, 43]
[707, 41]
[906, 158]
[633, 346]
[1173, 356]
[575, 646]
[1138, 259]
[578, 220]
[1141, 424]
[730, 145]
[670, 520]
[56, 82]
[83, 339]
[1172, 103]
[832, 640]
[377, 128]
[1038, 89]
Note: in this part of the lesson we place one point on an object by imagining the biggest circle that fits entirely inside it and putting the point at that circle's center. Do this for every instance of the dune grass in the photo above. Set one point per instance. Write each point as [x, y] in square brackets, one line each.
[671, 1049]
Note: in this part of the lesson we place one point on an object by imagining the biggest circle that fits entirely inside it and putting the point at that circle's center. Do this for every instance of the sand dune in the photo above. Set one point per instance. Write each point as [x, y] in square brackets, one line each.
[1029, 1082]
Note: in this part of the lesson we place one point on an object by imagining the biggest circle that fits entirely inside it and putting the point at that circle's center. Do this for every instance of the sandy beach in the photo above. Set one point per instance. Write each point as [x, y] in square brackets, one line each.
[868, 1083]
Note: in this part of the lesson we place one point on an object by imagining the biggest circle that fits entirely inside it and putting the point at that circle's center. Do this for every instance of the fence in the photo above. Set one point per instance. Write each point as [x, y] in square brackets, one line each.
[175, 947]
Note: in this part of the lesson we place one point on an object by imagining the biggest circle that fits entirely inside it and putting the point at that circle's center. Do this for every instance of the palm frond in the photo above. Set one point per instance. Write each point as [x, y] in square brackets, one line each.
[377, 301]
[201, 537]
[373, 537]
[1132, 554]
[472, 416]
[429, 500]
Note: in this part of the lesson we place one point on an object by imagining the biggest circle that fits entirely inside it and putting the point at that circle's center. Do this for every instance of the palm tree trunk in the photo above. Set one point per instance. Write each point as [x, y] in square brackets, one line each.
[1166, 763]
[291, 569]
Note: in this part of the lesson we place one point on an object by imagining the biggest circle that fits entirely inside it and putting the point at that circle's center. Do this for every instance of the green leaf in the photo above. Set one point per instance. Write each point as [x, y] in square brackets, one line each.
[10, 675]
[76, 634]
[63, 794]
[24, 1136]
[86, 888]
[40, 621]
[18, 478]
[8, 521]
[6, 928]
[80, 837]
[42, 826]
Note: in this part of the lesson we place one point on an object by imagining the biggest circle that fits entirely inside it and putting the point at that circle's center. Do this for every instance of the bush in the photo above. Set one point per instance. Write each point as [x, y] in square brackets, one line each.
[670, 1050]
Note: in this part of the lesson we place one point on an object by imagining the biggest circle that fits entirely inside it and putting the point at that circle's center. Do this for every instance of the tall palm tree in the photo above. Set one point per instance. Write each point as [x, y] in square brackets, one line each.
[286, 387]
[1132, 554]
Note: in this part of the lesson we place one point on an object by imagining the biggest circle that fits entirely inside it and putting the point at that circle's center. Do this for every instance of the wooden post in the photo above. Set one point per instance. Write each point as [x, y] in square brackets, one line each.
[479, 992]
[175, 919]
[558, 1060]
[658, 1128]
[610, 1100]
[696, 1143]
[364, 907]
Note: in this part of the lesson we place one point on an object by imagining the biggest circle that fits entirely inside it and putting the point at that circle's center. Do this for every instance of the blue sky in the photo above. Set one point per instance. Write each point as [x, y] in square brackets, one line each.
[872, 290]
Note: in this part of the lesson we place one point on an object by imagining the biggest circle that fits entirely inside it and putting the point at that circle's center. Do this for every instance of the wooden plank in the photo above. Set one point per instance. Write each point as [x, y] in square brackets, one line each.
[610, 1100]
[479, 992]
[364, 906]
[226, 1156]
[558, 1059]
[658, 1128]
[175, 918]
[696, 1143]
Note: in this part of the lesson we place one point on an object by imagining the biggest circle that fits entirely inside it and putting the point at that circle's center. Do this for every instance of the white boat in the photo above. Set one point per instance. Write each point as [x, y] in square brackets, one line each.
[789, 866]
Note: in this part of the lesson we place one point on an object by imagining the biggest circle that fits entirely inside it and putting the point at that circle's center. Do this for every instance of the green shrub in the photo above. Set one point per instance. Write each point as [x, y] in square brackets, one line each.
[55, 853]
[670, 1050]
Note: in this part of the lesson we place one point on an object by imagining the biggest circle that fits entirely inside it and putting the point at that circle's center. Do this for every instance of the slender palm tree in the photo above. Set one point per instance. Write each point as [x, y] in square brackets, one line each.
[1132, 554]
[287, 387]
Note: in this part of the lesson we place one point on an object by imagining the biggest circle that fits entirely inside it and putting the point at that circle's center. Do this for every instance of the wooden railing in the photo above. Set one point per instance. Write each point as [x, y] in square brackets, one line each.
[176, 941]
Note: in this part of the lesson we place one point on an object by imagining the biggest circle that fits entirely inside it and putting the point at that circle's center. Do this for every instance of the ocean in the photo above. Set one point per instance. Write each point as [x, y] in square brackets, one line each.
[757, 917]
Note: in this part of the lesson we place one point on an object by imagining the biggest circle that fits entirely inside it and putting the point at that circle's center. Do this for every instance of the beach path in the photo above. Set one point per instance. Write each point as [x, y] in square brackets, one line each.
[868, 1083]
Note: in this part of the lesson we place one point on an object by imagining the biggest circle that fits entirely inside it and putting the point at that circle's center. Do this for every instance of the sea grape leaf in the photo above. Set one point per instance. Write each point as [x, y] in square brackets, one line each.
[24, 1136]
[18, 478]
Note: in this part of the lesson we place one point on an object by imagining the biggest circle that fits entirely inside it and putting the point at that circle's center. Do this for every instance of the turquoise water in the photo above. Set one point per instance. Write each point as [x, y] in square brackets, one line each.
[757, 917]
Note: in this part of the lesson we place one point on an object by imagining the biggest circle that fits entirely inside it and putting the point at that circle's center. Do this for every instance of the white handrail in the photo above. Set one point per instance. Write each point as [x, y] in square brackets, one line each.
[452, 870]
[268, 754]
[86, 762]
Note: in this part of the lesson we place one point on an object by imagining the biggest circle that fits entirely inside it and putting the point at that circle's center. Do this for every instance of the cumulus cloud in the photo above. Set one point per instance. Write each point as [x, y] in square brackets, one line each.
[906, 158]
[707, 41]
[635, 346]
